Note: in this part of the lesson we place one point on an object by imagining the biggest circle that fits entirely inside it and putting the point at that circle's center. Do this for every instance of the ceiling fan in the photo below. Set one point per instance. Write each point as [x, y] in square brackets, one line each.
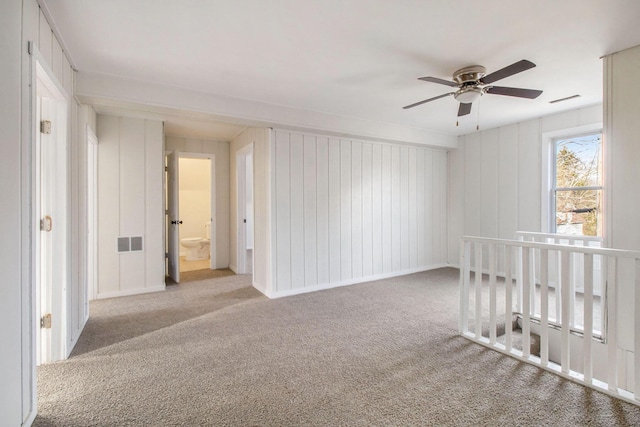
[473, 82]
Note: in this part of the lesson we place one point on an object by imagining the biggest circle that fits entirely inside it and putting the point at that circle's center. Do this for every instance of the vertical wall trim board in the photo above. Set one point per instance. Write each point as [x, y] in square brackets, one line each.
[145, 188]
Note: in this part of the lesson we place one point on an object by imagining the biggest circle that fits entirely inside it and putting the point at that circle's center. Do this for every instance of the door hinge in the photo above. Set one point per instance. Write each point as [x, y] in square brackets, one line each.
[45, 127]
[45, 321]
[46, 223]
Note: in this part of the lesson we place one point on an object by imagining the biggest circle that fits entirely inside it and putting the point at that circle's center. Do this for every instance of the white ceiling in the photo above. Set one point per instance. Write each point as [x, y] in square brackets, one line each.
[357, 59]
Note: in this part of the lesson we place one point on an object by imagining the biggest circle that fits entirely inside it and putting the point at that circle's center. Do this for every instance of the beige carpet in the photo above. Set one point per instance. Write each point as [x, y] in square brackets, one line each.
[386, 353]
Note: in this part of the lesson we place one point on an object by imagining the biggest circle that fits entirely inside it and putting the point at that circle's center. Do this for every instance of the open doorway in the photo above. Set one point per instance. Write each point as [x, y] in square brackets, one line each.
[190, 219]
[195, 205]
[244, 162]
[50, 213]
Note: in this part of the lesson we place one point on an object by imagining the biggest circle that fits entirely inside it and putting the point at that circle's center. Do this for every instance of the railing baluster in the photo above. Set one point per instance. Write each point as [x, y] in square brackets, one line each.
[588, 318]
[508, 286]
[577, 265]
[572, 289]
[526, 303]
[544, 307]
[532, 280]
[492, 293]
[565, 278]
[612, 321]
[557, 292]
[463, 323]
[519, 278]
[478, 271]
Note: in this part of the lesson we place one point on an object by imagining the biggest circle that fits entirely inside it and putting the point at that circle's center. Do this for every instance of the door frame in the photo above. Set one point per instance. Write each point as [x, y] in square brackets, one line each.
[41, 73]
[92, 213]
[172, 235]
[212, 207]
[241, 208]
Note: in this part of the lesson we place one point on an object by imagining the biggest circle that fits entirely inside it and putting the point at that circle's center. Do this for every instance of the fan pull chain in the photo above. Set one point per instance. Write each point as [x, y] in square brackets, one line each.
[478, 116]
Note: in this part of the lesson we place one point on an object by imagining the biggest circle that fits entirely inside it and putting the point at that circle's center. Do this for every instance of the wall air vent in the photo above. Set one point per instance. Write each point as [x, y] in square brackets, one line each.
[129, 244]
[136, 243]
[123, 244]
[564, 99]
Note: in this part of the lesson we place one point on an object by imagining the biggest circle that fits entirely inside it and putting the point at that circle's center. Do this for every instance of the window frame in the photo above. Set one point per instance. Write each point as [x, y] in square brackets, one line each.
[553, 189]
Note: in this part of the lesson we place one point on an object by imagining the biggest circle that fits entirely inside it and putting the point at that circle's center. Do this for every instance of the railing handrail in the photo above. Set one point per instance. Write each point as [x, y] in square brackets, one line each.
[555, 246]
[560, 236]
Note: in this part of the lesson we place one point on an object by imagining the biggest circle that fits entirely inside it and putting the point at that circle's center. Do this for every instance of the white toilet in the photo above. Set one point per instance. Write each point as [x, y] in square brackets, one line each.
[197, 247]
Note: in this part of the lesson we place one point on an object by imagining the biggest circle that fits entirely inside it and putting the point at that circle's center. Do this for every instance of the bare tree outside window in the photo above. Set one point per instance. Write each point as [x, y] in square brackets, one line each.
[578, 185]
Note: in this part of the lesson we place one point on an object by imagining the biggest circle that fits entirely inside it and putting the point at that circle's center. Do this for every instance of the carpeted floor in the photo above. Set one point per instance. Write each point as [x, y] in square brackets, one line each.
[218, 353]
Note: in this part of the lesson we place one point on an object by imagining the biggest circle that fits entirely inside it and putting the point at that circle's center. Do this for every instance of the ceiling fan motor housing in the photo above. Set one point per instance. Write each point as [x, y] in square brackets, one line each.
[469, 75]
[469, 80]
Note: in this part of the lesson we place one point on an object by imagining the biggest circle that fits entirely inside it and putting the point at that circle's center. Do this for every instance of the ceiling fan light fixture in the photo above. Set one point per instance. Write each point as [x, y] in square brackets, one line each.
[468, 95]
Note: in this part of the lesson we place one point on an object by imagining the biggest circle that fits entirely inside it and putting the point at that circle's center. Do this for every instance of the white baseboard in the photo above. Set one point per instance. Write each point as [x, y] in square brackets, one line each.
[296, 291]
[129, 292]
[233, 268]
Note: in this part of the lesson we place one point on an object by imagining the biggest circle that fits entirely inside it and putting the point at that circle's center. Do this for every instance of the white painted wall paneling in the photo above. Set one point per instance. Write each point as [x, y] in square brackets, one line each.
[153, 244]
[346, 263]
[45, 39]
[283, 212]
[367, 209]
[622, 176]
[130, 173]
[296, 207]
[356, 209]
[500, 171]
[350, 211]
[335, 249]
[377, 208]
[310, 209]
[322, 210]
[16, 389]
[20, 23]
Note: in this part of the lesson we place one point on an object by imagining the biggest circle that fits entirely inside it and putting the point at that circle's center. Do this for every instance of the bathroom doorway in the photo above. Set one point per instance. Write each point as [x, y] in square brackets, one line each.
[191, 213]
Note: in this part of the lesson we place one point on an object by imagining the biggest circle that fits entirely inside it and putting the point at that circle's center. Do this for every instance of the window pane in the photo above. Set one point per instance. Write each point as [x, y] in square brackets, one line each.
[579, 162]
[579, 212]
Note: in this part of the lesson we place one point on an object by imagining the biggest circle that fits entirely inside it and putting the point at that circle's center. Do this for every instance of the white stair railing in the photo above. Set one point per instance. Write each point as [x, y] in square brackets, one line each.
[605, 357]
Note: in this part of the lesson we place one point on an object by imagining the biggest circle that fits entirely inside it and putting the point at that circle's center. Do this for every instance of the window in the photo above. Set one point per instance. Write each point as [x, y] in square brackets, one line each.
[576, 196]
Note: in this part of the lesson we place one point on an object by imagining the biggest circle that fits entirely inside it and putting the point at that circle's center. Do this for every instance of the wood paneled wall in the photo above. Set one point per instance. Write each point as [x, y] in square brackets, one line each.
[497, 177]
[130, 187]
[348, 211]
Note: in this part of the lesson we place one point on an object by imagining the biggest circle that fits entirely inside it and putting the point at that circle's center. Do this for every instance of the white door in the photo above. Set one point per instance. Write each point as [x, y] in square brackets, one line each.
[51, 241]
[44, 241]
[173, 217]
